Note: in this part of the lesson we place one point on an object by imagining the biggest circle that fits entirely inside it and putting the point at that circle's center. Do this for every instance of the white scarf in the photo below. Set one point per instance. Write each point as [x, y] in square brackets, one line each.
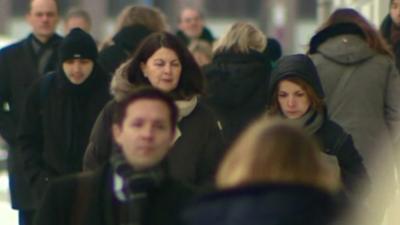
[185, 107]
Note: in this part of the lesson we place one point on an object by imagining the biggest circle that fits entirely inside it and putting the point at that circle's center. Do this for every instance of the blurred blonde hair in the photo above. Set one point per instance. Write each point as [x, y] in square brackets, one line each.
[272, 151]
[240, 38]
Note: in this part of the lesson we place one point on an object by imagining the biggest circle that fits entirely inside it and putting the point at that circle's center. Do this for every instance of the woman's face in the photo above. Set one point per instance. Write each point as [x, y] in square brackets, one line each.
[293, 100]
[395, 11]
[163, 69]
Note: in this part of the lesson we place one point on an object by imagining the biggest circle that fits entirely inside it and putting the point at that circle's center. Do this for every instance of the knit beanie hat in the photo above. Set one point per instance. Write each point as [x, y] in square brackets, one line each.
[78, 45]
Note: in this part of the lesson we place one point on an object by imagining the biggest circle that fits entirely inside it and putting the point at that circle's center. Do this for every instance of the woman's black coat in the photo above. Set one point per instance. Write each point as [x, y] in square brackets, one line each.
[194, 157]
[262, 204]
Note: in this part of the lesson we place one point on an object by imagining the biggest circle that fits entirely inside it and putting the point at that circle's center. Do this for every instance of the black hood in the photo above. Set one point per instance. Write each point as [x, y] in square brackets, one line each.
[333, 31]
[96, 80]
[299, 66]
[130, 37]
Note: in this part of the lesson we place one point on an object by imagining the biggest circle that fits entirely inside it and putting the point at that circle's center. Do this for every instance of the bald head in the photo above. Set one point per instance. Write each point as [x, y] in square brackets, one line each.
[191, 22]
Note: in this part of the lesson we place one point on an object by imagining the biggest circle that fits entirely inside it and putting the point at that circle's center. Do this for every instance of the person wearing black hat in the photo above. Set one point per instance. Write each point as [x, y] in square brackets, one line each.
[296, 94]
[59, 113]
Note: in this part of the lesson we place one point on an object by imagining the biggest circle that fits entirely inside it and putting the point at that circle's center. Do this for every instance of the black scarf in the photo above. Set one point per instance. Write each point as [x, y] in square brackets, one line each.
[132, 188]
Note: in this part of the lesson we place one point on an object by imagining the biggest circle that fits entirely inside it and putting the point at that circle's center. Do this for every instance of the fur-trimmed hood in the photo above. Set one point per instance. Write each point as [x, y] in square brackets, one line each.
[120, 85]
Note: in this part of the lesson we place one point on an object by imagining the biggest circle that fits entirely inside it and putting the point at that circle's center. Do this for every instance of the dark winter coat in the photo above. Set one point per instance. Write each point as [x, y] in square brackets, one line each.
[18, 70]
[273, 51]
[56, 124]
[386, 30]
[368, 105]
[88, 198]
[334, 140]
[238, 88]
[193, 158]
[277, 204]
[124, 44]
[206, 35]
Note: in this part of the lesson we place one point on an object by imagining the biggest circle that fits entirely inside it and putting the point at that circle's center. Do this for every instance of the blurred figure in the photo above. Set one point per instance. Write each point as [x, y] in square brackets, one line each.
[133, 187]
[59, 113]
[22, 63]
[201, 51]
[191, 27]
[77, 18]
[361, 85]
[163, 62]
[273, 174]
[238, 78]
[296, 94]
[390, 29]
[134, 23]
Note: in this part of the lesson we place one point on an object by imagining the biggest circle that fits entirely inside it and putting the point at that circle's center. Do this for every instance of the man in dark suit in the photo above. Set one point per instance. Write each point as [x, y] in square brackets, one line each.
[22, 63]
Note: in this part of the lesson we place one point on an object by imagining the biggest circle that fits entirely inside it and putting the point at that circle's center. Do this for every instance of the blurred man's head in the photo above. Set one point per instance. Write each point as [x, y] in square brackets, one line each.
[43, 18]
[77, 53]
[77, 18]
[144, 127]
[191, 22]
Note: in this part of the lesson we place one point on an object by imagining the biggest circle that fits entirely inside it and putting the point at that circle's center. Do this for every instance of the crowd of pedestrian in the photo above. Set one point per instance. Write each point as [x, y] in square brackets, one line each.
[155, 127]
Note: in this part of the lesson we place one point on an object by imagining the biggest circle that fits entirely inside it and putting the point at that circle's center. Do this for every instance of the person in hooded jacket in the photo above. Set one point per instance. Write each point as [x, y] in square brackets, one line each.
[238, 78]
[390, 29]
[273, 174]
[133, 24]
[361, 85]
[296, 94]
[60, 111]
[163, 62]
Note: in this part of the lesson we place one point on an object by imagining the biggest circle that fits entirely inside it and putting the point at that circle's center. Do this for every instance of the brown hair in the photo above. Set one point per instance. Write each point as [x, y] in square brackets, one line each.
[274, 151]
[150, 17]
[316, 102]
[372, 36]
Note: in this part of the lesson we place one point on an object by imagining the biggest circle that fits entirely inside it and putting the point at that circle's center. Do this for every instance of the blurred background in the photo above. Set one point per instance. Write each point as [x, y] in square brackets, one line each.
[292, 22]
